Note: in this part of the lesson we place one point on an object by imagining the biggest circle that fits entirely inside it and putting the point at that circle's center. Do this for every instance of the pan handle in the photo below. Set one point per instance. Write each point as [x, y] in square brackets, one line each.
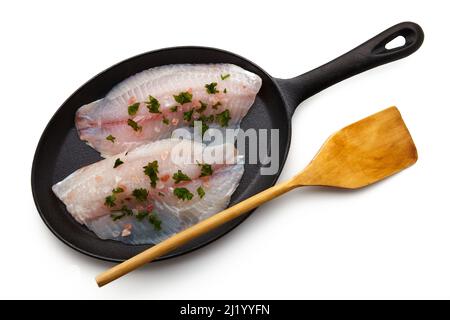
[368, 55]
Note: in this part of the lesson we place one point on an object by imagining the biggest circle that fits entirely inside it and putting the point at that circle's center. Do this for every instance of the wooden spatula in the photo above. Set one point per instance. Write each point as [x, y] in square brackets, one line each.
[358, 155]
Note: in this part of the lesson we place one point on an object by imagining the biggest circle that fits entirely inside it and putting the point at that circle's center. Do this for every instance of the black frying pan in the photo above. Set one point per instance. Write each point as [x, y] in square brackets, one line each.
[60, 151]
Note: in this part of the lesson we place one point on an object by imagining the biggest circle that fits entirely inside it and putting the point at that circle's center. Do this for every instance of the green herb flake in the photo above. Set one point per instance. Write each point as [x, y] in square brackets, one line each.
[126, 210]
[180, 176]
[223, 118]
[225, 90]
[203, 107]
[188, 115]
[183, 194]
[133, 108]
[140, 194]
[224, 76]
[117, 190]
[183, 97]
[211, 88]
[117, 163]
[206, 169]
[116, 217]
[134, 125]
[110, 201]
[153, 105]
[141, 215]
[216, 105]
[111, 138]
[161, 194]
[155, 221]
[151, 170]
[206, 119]
[165, 121]
[200, 192]
[174, 109]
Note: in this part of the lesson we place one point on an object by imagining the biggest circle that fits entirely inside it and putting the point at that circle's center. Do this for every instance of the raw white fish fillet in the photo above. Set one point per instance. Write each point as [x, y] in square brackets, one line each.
[235, 91]
[84, 192]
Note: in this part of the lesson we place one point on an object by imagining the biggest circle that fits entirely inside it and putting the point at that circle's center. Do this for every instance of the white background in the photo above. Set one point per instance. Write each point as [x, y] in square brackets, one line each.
[390, 240]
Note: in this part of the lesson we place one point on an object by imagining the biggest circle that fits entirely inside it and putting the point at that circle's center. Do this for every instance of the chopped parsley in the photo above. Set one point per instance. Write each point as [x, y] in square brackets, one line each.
[116, 217]
[224, 76]
[124, 211]
[111, 138]
[188, 115]
[216, 105]
[200, 192]
[203, 107]
[206, 169]
[141, 215]
[223, 118]
[155, 221]
[174, 109]
[117, 163]
[183, 97]
[140, 194]
[153, 105]
[134, 125]
[206, 119]
[225, 90]
[180, 176]
[151, 170]
[205, 128]
[117, 190]
[211, 88]
[183, 194]
[133, 108]
[165, 121]
[110, 201]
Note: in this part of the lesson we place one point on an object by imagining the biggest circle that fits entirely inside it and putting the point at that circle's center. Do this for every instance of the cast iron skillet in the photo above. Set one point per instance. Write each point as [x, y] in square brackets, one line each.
[60, 151]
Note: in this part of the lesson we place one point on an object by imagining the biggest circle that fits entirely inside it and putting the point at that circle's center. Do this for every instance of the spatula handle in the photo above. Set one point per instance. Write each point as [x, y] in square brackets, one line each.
[193, 232]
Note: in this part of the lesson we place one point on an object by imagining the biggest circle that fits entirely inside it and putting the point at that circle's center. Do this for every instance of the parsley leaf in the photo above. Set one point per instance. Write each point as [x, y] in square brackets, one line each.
[134, 125]
[117, 163]
[165, 121]
[225, 76]
[116, 217]
[174, 109]
[200, 192]
[225, 90]
[203, 107]
[133, 108]
[183, 194]
[155, 221]
[188, 115]
[140, 194]
[110, 201]
[151, 170]
[111, 138]
[124, 211]
[153, 105]
[211, 88]
[223, 118]
[180, 176]
[117, 190]
[183, 97]
[141, 215]
[216, 105]
[206, 170]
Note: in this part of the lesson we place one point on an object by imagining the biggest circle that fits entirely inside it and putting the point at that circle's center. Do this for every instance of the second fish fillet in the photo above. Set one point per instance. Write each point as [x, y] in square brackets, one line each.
[152, 192]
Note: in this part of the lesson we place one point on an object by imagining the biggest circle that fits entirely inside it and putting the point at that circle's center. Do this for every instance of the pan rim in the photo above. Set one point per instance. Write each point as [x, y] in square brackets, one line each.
[238, 220]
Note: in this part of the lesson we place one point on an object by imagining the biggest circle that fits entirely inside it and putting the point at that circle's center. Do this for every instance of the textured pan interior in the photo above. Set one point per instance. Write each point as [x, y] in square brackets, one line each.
[60, 152]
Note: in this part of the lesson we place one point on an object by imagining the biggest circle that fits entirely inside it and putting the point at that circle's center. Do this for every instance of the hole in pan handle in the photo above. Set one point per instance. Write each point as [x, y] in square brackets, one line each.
[368, 55]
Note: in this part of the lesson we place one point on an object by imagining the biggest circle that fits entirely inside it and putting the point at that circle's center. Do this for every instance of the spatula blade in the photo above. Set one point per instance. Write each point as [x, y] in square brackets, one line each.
[363, 153]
